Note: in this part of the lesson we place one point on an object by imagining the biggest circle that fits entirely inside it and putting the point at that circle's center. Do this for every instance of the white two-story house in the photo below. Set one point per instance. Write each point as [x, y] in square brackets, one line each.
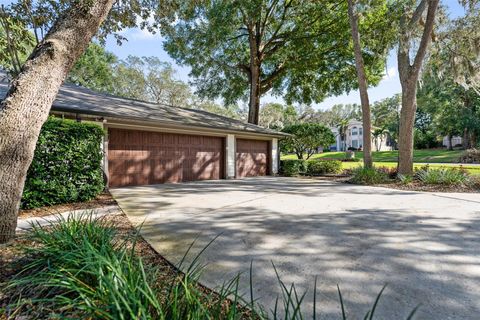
[354, 138]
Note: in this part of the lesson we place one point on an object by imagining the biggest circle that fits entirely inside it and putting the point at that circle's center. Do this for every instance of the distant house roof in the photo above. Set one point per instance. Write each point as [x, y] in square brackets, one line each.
[76, 99]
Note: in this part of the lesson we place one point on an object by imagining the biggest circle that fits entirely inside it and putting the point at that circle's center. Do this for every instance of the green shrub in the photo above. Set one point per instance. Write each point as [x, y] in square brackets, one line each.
[391, 172]
[67, 165]
[442, 176]
[470, 156]
[291, 168]
[373, 175]
[315, 167]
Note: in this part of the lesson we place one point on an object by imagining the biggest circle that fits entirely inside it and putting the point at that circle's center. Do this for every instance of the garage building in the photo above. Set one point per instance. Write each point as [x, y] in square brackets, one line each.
[148, 143]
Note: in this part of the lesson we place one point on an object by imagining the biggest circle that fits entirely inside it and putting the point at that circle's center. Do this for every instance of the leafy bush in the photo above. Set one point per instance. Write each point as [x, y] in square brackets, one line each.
[470, 156]
[315, 167]
[391, 172]
[66, 166]
[425, 140]
[306, 138]
[291, 168]
[373, 175]
[442, 176]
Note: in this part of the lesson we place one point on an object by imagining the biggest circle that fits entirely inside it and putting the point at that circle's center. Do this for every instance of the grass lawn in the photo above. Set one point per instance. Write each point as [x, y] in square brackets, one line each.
[471, 169]
[419, 156]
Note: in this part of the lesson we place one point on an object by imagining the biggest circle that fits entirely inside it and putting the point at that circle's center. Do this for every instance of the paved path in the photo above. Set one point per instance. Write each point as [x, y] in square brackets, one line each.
[26, 223]
[424, 245]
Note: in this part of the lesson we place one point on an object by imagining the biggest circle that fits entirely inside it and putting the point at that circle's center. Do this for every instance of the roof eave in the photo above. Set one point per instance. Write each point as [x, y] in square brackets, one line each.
[156, 123]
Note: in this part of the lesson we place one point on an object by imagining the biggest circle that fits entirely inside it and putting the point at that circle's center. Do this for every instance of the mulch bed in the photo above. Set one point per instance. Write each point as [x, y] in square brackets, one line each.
[418, 186]
[103, 199]
[414, 186]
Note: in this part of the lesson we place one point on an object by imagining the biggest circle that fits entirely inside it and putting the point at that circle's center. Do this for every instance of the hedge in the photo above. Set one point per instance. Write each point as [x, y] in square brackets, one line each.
[290, 168]
[297, 167]
[67, 165]
[316, 167]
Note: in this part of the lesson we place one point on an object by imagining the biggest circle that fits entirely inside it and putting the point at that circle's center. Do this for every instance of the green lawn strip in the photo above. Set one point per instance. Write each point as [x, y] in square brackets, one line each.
[419, 156]
[470, 169]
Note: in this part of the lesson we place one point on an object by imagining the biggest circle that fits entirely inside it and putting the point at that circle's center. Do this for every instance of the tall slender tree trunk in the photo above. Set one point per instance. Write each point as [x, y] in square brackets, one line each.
[254, 40]
[407, 121]
[254, 103]
[473, 139]
[450, 145]
[409, 74]
[32, 92]
[362, 85]
[465, 139]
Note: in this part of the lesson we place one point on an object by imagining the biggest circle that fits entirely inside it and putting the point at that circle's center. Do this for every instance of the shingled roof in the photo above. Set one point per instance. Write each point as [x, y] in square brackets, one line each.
[79, 100]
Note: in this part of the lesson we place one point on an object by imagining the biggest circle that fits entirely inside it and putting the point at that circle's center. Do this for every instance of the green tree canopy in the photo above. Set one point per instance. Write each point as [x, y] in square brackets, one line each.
[95, 69]
[306, 138]
[300, 50]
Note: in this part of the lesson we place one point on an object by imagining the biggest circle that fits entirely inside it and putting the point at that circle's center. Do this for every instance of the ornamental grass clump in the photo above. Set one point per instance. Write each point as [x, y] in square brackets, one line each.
[80, 267]
[442, 176]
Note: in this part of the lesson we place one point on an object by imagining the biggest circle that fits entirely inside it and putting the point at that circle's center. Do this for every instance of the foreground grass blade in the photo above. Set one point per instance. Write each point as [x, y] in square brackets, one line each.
[344, 316]
[376, 302]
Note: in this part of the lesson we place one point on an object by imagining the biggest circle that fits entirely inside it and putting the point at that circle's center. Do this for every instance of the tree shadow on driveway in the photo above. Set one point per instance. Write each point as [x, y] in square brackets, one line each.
[357, 237]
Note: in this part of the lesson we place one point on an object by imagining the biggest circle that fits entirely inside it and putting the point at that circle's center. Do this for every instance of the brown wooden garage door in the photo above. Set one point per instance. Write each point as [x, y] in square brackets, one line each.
[252, 158]
[142, 157]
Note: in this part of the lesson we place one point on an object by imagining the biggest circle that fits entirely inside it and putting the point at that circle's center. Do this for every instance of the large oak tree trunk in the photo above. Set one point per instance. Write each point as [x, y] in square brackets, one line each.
[32, 92]
[409, 74]
[363, 87]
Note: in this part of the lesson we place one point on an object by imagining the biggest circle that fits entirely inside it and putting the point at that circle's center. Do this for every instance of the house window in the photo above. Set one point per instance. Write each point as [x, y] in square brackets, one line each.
[355, 144]
[360, 131]
[354, 131]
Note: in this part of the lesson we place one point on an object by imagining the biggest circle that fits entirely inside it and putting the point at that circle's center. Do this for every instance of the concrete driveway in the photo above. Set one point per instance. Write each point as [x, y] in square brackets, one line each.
[426, 246]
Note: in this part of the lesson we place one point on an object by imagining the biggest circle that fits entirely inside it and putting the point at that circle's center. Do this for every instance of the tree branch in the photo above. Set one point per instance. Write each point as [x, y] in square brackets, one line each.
[426, 36]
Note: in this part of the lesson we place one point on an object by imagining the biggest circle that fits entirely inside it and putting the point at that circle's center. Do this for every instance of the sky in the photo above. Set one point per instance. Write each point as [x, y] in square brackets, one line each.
[142, 43]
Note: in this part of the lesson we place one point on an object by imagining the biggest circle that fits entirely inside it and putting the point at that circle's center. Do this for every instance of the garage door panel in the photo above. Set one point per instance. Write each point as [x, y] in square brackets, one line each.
[252, 158]
[142, 157]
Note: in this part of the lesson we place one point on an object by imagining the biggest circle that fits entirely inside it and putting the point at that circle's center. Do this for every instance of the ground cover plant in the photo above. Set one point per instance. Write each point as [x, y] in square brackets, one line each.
[425, 178]
[84, 267]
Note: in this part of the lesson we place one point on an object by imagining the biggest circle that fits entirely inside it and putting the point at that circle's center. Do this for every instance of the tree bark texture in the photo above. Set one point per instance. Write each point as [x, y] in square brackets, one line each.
[254, 101]
[409, 74]
[27, 103]
[362, 86]
[254, 39]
